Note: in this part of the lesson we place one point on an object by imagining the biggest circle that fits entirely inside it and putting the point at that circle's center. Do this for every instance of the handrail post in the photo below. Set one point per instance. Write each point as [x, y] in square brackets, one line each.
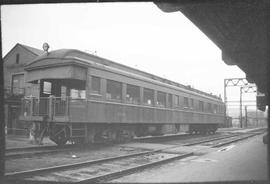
[31, 106]
[50, 107]
[22, 106]
[67, 107]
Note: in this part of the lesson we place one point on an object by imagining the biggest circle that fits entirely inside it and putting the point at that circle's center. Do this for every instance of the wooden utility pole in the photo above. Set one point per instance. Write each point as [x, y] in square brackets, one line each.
[2, 119]
[240, 118]
[246, 116]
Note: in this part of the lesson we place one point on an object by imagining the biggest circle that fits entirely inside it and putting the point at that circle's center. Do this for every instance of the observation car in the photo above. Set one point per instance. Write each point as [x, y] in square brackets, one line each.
[84, 98]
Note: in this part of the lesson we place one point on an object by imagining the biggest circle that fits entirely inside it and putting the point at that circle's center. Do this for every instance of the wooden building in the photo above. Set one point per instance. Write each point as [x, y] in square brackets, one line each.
[14, 83]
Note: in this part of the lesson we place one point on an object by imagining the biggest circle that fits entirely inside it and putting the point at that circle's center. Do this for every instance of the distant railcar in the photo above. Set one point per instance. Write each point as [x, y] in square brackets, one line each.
[84, 98]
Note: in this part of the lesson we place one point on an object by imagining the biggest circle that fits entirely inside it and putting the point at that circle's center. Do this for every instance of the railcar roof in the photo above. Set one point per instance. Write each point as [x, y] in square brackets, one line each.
[66, 56]
[62, 53]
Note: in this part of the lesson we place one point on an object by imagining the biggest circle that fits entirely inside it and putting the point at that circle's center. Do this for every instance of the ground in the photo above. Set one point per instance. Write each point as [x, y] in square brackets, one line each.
[246, 160]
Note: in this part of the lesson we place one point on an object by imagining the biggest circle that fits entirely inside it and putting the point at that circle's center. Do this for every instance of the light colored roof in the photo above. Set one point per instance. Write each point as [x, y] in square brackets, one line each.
[73, 56]
[35, 51]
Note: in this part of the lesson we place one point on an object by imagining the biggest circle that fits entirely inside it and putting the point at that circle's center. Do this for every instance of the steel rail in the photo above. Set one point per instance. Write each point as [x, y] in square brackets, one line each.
[120, 173]
[67, 166]
[208, 140]
[236, 140]
[13, 153]
[43, 150]
[24, 174]
[41, 147]
[224, 137]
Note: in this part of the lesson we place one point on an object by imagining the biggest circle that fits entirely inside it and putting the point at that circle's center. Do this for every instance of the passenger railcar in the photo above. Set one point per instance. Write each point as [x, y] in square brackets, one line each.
[84, 98]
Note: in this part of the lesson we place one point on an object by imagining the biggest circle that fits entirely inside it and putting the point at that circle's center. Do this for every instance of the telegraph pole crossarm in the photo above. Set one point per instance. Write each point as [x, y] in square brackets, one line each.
[245, 89]
[232, 82]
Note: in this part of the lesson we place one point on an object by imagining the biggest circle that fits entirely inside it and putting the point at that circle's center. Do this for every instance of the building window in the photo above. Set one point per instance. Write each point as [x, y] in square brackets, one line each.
[17, 58]
[148, 96]
[133, 94]
[201, 106]
[18, 84]
[95, 85]
[186, 102]
[114, 90]
[161, 99]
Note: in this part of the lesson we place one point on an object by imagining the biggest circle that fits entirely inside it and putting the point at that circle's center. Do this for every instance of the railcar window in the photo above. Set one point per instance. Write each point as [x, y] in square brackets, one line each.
[186, 102]
[221, 109]
[215, 108]
[148, 96]
[191, 103]
[75, 93]
[209, 107]
[169, 100]
[95, 85]
[161, 99]
[177, 101]
[114, 90]
[63, 91]
[47, 87]
[133, 94]
[201, 106]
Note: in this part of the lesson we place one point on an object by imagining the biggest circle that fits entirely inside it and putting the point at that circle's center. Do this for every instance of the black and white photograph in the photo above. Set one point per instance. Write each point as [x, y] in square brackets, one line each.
[135, 92]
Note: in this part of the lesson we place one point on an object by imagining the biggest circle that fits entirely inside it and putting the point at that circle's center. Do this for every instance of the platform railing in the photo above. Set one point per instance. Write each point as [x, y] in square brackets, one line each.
[45, 106]
[41, 106]
[60, 106]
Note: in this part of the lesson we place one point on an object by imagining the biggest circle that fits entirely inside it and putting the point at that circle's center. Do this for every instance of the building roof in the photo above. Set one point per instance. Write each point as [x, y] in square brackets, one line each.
[33, 50]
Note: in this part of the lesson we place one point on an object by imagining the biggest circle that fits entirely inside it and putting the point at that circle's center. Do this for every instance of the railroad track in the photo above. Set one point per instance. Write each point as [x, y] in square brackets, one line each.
[223, 140]
[38, 151]
[27, 152]
[14, 153]
[46, 150]
[97, 170]
[208, 139]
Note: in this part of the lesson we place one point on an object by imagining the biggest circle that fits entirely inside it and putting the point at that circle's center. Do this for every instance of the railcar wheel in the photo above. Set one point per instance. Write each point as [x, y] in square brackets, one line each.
[60, 134]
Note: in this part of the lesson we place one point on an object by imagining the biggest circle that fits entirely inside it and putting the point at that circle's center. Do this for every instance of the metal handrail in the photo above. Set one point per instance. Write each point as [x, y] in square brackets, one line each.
[45, 106]
[60, 106]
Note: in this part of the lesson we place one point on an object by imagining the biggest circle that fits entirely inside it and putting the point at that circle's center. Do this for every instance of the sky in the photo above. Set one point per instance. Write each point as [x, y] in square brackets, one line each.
[139, 35]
